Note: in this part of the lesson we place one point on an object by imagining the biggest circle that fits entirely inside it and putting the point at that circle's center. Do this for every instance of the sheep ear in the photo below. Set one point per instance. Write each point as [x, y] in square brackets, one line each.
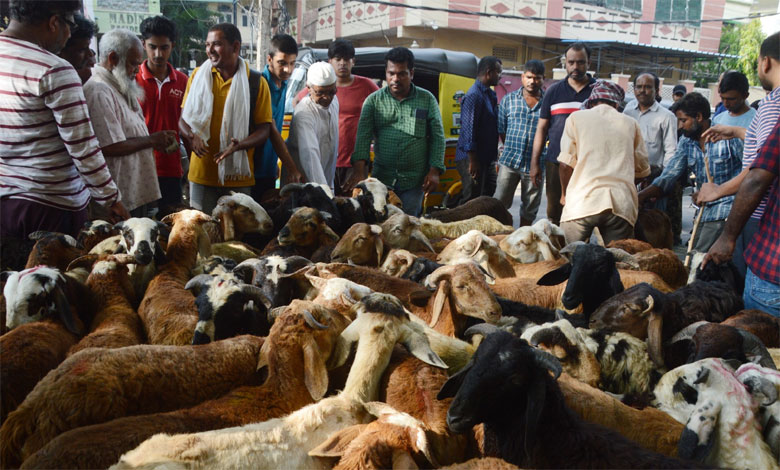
[442, 294]
[5, 275]
[262, 360]
[159, 254]
[762, 390]
[204, 243]
[315, 373]
[556, 276]
[164, 230]
[344, 343]
[330, 234]
[654, 338]
[335, 445]
[698, 436]
[418, 345]
[477, 246]
[227, 225]
[452, 385]
[379, 248]
[64, 311]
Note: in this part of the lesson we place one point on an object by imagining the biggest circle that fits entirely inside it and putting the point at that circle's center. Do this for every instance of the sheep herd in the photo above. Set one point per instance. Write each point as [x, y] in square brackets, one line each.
[309, 331]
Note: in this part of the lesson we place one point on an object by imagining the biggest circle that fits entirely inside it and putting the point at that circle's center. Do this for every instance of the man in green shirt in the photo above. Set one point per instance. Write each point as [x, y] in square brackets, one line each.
[404, 123]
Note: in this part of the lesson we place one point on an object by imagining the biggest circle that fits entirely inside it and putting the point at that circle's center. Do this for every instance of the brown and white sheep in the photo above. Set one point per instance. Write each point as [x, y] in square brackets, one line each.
[306, 234]
[53, 249]
[435, 229]
[94, 232]
[477, 246]
[361, 244]
[403, 232]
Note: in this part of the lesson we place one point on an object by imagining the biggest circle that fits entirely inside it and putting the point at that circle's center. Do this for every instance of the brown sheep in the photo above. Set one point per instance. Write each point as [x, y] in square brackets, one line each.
[408, 292]
[296, 353]
[758, 322]
[306, 234]
[98, 385]
[116, 323]
[53, 249]
[630, 245]
[362, 244]
[654, 227]
[483, 463]
[665, 263]
[168, 310]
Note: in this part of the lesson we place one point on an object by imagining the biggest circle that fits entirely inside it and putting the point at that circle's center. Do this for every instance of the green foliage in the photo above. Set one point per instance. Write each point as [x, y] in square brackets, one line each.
[193, 21]
[750, 39]
[743, 40]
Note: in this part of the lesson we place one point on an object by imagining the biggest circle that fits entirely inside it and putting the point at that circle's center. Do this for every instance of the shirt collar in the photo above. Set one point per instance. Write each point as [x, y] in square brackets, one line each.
[146, 74]
[271, 81]
[653, 108]
[482, 87]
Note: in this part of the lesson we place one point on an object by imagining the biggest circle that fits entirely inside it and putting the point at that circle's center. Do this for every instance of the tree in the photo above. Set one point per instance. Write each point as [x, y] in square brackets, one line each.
[743, 40]
[750, 39]
[193, 21]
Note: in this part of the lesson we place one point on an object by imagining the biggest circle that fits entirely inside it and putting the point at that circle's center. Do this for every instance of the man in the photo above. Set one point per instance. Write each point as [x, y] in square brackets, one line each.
[404, 122]
[518, 116]
[280, 64]
[77, 50]
[723, 159]
[351, 91]
[163, 92]
[678, 92]
[762, 282]
[734, 90]
[314, 130]
[477, 150]
[602, 154]
[215, 123]
[113, 100]
[755, 136]
[560, 100]
[46, 183]
[659, 131]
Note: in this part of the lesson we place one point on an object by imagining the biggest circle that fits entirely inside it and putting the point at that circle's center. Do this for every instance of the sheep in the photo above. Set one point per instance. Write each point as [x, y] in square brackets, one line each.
[168, 310]
[227, 307]
[482, 205]
[337, 293]
[477, 246]
[665, 263]
[305, 233]
[116, 323]
[140, 238]
[704, 339]
[630, 245]
[725, 272]
[394, 440]
[362, 244]
[762, 384]
[653, 226]
[52, 249]
[97, 385]
[373, 200]
[721, 426]
[296, 354]
[239, 214]
[483, 463]
[645, 312]
[380, 322]
[272, 274]
[94, 232]
[233, 250]
[297, 195]
[420, 269]
[530, 244]
[214, 265]
[758, 322]
[401, 231]
[508, 387]
[435, 229]
[397, 262]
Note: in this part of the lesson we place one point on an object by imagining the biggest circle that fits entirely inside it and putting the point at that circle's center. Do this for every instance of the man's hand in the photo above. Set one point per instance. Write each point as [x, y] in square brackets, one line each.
[708, 193]
[720, 251]
[721, 132]
[162, 140]
[200, 147]
[563, 199]
[118, 212]
[536, 174]
[473, 166]
[431, 181]
[228, 151]
[292, 175]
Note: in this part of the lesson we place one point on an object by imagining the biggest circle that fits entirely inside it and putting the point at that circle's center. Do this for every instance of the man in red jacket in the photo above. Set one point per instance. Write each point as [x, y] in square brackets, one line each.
[164, 89]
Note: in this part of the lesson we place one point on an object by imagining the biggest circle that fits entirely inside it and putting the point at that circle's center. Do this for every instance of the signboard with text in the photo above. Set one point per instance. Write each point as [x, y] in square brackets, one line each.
[127, 14]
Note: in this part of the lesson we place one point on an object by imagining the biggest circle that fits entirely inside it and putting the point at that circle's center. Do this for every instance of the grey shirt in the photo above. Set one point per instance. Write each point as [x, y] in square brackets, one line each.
[659, 130]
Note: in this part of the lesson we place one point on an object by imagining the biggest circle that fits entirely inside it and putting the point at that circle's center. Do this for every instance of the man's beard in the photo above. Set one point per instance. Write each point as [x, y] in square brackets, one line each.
[694, 133]
[128, 87]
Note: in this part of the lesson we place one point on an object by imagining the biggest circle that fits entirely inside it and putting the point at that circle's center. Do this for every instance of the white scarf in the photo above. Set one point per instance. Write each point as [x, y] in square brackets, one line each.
[235, 117]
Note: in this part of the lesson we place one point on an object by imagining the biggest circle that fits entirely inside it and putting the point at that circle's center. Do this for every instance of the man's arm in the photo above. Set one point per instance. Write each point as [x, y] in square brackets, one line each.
[641, 162]
[565, 172]
[293, 174]
[721, 132]
[303, 136]
[664, 182]
[255, 139]
[468, 120]
[567, 159]
[713, 191]
[158, 141]
[192, 140]
[436, 144]
[539, 140]
[502, 118]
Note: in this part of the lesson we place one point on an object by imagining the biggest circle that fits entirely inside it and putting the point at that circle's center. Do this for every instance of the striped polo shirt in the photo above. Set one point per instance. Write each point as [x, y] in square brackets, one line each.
[757, 133]
[560, 100]
[48, 151]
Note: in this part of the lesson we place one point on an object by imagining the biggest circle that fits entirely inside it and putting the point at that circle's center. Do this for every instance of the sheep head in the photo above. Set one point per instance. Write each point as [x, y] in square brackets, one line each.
[402, 231]
[504, 368]
[93, 232]
[373, 197]
[36, 294]
[362, 244]
[564, 342]
[529, 245]
[465, 287]
[306, 228]
[475, 245]
[338, 293]
[53, 249]
[238, 214]
[188, 233]
[397, 262]
[140, 239]
[275, 276]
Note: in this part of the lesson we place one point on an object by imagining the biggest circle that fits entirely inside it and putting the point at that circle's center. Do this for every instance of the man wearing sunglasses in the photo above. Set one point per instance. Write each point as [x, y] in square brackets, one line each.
[50, 162]
[314, 130]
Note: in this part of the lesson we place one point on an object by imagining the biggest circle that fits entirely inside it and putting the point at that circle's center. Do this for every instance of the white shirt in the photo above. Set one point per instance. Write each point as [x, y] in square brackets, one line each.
[314, 140]
[659, 129]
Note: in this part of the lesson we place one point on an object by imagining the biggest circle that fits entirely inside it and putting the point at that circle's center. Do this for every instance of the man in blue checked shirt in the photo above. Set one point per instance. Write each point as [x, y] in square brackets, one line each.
[725, 162]
[518, 116]
[477, 151]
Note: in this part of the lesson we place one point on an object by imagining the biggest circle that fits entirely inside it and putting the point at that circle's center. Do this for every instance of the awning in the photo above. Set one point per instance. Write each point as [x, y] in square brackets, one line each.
[654, 49]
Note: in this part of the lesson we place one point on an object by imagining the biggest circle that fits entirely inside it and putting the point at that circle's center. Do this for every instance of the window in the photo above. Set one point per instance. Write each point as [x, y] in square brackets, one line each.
[627, 6]
[228, 18]
[678, 10]
[243, 20]
[505, 53]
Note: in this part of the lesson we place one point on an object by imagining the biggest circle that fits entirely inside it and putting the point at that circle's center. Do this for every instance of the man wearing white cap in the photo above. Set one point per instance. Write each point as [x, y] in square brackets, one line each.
[314, 130]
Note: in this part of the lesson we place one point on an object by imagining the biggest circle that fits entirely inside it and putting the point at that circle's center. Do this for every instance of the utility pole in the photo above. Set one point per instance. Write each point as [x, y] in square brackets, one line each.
[263, 32]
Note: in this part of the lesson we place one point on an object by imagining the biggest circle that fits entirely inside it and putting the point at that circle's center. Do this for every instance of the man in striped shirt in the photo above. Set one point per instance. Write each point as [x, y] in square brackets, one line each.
[50, 161]
[755, 136]
[560, 100]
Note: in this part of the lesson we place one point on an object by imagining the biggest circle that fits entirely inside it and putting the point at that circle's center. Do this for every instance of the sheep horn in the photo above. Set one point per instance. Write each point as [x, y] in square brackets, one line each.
[290, 187]
[761, 389]
[483, 329]
[197, 283]
[548, 361]
[654, 338]
[623, 256]
[255, 293]
[436, 276]
[754, 348]
[687, 332]
[312, 322]
[85, 261]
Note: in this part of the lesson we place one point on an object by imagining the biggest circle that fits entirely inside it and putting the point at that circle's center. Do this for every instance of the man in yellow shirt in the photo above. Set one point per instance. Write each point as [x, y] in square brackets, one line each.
[222, 144]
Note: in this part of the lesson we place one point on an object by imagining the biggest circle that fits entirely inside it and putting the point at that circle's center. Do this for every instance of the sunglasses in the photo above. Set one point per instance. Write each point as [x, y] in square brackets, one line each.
[71, 24]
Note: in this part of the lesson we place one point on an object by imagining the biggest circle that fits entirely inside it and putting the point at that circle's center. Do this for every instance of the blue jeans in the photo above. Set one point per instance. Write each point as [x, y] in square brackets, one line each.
[761, 294]
[412, 200]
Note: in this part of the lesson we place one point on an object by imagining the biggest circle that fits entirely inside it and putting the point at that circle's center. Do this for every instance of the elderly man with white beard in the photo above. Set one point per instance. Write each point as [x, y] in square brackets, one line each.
[113, 101]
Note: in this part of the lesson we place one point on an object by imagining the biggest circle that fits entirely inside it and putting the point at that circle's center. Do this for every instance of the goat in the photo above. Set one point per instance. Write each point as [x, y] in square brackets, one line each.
[630, 245]
[372, 198]
[402, 232]
[477, 246]
[94, 232]
[507, 386]
[139, 238]
[52, 249]
[379, 324]
[168, 310]
[482, 205]
[239, 214]
[297, 195]
[530, 244]
[97, 385]
[296, 353]
[758, 322]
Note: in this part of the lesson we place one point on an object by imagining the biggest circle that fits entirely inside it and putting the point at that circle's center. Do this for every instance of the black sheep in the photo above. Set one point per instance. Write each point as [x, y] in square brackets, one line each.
[420, 269]
[507, 386]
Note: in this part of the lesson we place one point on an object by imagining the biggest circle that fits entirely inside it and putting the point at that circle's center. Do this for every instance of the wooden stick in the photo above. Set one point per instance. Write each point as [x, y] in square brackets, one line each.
[697, 222]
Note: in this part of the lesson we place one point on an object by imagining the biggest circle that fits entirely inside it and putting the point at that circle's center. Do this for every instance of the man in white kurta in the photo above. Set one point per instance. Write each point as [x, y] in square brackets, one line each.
[314, 130]
[112, 98]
